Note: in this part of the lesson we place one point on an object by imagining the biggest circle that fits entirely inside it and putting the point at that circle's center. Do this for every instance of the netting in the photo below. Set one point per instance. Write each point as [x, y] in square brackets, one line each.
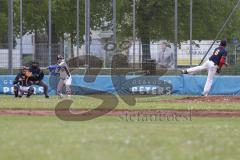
[151, 35]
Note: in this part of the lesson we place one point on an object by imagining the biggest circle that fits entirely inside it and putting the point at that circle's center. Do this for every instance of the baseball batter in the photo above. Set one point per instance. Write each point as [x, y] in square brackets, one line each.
[213, 65]
[65, 77]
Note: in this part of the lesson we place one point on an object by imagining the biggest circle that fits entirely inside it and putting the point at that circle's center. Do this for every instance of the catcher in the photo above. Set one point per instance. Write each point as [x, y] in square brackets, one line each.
[213, 65]
[22, 83]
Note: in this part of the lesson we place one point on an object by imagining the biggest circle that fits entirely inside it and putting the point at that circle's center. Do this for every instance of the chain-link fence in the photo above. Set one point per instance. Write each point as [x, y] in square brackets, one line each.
[162, 34]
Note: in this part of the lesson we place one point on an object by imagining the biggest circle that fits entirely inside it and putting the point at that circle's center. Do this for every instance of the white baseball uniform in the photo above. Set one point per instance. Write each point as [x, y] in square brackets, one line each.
[65, 78]
[212, 69]
[217, 60]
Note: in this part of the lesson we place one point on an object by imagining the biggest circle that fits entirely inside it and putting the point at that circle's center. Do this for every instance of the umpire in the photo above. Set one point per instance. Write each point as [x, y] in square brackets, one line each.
[38, 75]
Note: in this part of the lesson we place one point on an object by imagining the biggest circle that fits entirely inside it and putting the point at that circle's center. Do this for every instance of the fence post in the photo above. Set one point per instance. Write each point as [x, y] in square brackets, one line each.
[21, 33]
[49, 32]
[114, 20]
[134, 31]
[191, 41]
[10, 36]
[78, 43]
[87, 32]
[176, 32]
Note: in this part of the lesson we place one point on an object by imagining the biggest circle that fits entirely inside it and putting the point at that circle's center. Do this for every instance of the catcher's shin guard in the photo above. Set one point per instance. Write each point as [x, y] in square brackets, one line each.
[16, 90]
[30, 91]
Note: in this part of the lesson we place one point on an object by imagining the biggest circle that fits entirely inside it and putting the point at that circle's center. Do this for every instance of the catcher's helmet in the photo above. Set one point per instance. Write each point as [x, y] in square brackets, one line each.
[59, 57]
[24, 68]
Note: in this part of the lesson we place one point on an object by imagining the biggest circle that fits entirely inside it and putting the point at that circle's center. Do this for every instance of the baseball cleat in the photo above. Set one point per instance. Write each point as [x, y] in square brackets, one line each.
[60, 96]
[204, 94]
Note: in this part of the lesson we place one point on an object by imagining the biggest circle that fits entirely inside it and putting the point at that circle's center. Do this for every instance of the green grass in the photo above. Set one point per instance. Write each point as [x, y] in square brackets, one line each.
[109, 138]
[87, 102]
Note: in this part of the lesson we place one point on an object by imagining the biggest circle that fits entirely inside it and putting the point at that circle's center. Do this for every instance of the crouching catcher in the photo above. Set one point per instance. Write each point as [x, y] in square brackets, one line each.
[22, 83]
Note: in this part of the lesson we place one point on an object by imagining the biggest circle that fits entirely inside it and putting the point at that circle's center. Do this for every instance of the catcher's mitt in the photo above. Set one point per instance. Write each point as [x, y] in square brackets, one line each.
[28, 73]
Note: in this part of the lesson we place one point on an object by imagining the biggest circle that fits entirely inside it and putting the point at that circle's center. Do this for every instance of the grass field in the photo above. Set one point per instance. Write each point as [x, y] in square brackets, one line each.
[107, 138]
[87, 102]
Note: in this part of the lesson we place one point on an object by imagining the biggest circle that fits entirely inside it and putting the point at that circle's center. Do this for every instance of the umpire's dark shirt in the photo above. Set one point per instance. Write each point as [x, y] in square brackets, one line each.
[37, 73]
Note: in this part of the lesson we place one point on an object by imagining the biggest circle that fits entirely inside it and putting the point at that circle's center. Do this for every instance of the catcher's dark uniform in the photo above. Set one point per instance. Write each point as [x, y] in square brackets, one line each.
[22, 85]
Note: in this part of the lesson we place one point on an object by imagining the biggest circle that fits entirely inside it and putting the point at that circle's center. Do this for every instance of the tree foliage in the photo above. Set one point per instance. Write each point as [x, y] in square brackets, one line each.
[4, 23]
[154, 18]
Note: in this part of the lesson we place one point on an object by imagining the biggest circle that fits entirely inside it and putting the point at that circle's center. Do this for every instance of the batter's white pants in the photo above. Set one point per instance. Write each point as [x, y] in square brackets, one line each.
[212, 69]
[67, 82]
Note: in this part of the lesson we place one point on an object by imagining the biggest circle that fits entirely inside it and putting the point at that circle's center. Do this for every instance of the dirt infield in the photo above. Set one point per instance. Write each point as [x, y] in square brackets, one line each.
[122, 112]
[209, 99]
[144, 112]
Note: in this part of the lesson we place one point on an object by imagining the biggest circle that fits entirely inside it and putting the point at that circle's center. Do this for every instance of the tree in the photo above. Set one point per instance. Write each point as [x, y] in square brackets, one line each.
[155, 20]
[4, 24]
[64, 16]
